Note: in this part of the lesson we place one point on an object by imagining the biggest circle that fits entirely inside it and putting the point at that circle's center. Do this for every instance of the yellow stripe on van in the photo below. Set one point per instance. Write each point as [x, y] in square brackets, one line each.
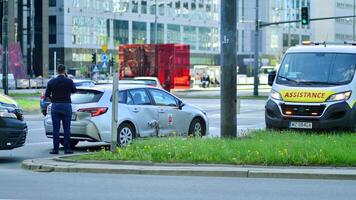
[310, 96]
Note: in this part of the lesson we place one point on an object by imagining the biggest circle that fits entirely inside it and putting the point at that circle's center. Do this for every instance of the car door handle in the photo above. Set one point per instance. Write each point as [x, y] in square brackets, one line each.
[161, 111]
[135, 110]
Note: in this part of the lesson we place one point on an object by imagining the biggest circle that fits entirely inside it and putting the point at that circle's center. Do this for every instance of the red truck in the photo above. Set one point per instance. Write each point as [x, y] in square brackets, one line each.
[169, 62]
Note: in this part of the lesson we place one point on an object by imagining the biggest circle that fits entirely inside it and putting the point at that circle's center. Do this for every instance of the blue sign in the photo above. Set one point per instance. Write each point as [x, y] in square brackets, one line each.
[104, 58]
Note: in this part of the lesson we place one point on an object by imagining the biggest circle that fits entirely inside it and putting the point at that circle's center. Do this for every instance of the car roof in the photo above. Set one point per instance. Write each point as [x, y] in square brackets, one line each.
[322, 49]
[104, 87]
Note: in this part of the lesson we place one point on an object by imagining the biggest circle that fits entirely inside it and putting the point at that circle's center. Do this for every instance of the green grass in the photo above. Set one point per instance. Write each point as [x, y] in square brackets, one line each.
[259, 148]
[20, 95]
[28, 105]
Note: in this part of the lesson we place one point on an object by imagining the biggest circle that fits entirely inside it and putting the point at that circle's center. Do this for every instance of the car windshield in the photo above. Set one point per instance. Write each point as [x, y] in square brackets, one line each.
[317, 69]
[86, 96]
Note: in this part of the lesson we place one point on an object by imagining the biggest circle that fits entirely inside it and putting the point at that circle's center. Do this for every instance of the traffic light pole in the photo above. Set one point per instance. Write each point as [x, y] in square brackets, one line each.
[256, 57]
[5, 40]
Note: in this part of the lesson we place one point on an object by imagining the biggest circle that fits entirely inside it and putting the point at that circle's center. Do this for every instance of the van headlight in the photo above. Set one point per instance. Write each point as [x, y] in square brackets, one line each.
[340, 96]
[4, 112]
[276, 95]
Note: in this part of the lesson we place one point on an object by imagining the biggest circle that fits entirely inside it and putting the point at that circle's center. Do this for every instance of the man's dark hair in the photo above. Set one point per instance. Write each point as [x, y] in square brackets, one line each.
[61, 69]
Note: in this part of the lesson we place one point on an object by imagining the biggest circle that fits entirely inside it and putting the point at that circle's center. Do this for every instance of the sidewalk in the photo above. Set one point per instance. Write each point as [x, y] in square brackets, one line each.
[65, 164]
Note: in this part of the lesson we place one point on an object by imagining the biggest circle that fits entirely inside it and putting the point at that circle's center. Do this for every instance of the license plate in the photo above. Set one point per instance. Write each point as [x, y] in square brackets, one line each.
[305, 125]
[74, 117]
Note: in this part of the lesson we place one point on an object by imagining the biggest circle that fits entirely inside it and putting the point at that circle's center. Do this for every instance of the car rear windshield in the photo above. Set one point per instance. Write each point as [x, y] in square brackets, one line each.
[148, 82]
[86, 96]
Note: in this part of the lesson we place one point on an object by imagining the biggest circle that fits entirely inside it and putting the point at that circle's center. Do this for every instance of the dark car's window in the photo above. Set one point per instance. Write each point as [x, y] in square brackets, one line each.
[162, 98]
[86, 96]
[140, 97]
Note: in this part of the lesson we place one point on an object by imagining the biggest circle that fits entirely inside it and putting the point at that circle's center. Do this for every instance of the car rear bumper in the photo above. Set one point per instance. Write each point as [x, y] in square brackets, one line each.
[83, 130]
[12, 133]
[338, 115]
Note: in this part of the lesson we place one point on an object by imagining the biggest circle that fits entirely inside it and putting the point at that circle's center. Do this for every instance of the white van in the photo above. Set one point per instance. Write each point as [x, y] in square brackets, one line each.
[314, 88]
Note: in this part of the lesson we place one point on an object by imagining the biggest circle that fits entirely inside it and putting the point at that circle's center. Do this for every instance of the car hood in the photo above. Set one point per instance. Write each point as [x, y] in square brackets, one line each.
[7, 101]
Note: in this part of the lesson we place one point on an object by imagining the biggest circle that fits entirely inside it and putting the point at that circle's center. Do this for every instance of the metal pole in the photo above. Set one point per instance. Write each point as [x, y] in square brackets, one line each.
[289, 33]
[353, 22]
[115, 106]
[5, 40]
[32, 35]
[257, 29]
[55, 64]
[228, 68]
[156, 6]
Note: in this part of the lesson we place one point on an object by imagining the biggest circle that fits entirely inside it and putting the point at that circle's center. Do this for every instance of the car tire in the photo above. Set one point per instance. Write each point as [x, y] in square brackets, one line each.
[125, 134]
[197, 128]
[72, 143]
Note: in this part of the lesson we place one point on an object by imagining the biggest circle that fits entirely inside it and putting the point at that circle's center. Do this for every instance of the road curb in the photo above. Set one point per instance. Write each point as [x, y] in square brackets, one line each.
[63, 164]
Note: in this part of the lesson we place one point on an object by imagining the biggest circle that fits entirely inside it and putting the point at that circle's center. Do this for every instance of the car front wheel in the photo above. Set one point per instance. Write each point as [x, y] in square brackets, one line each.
[197, 128]
[125, 134]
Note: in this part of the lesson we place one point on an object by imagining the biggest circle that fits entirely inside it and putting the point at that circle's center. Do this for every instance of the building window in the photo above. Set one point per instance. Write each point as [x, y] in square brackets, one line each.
[170, 9]
[139, 32]
[190, 36]
[120, 6]
[121, 32]
[52, 3]
[173, 33]
[161, 8]
[204, 38]
[134, 4]
[153, 7]
[144, 7]
[89, 30]
[160, 33]
[177, 10]
[52, 30]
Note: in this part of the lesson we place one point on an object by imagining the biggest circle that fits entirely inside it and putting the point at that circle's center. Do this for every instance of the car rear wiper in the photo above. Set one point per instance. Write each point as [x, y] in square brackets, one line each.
[288, 79]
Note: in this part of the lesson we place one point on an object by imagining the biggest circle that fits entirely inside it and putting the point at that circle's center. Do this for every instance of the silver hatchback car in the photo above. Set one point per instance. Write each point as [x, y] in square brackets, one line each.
[143, 111]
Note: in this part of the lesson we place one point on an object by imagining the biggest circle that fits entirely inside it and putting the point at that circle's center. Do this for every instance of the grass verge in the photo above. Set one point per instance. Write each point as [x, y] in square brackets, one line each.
[28, 105]
[260, 148]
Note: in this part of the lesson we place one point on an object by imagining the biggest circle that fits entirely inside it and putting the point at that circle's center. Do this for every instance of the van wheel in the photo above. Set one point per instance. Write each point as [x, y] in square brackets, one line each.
[197, 128]
[72, 143]
[125, 134]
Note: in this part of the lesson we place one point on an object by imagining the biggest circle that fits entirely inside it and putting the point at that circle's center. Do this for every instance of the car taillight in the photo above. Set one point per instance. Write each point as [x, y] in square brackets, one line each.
[94, 111]
[42, 95]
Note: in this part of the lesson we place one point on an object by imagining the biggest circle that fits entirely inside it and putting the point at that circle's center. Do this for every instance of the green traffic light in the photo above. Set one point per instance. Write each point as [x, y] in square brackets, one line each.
[304, 22]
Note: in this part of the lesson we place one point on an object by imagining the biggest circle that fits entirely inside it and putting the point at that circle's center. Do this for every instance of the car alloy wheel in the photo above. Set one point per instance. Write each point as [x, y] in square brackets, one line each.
[197, 128]
[125, 135]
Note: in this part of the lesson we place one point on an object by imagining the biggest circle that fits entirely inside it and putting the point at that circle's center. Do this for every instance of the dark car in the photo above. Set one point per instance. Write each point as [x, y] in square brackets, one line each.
[13, 129]
[78, 83]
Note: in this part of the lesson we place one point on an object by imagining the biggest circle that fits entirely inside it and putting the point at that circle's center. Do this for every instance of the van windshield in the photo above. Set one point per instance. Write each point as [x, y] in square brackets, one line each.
[317, 69]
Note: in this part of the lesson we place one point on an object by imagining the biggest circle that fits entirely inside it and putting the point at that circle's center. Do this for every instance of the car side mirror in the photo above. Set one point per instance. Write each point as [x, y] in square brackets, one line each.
[180, 105]
[271, 77]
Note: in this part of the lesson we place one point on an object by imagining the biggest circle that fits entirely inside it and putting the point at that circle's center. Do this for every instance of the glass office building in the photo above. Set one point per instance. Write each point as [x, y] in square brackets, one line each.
[81, 27]
[77, 28]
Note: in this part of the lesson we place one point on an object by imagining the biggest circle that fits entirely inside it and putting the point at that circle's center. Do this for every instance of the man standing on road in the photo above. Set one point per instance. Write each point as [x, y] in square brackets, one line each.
[58, 91]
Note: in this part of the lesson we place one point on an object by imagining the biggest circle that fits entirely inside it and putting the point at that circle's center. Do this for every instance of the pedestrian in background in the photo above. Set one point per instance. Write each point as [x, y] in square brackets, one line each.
[58, 91]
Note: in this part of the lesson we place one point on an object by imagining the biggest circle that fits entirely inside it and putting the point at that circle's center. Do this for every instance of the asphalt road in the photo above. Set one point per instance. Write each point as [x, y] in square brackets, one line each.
[31, 185]
[16, 183]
